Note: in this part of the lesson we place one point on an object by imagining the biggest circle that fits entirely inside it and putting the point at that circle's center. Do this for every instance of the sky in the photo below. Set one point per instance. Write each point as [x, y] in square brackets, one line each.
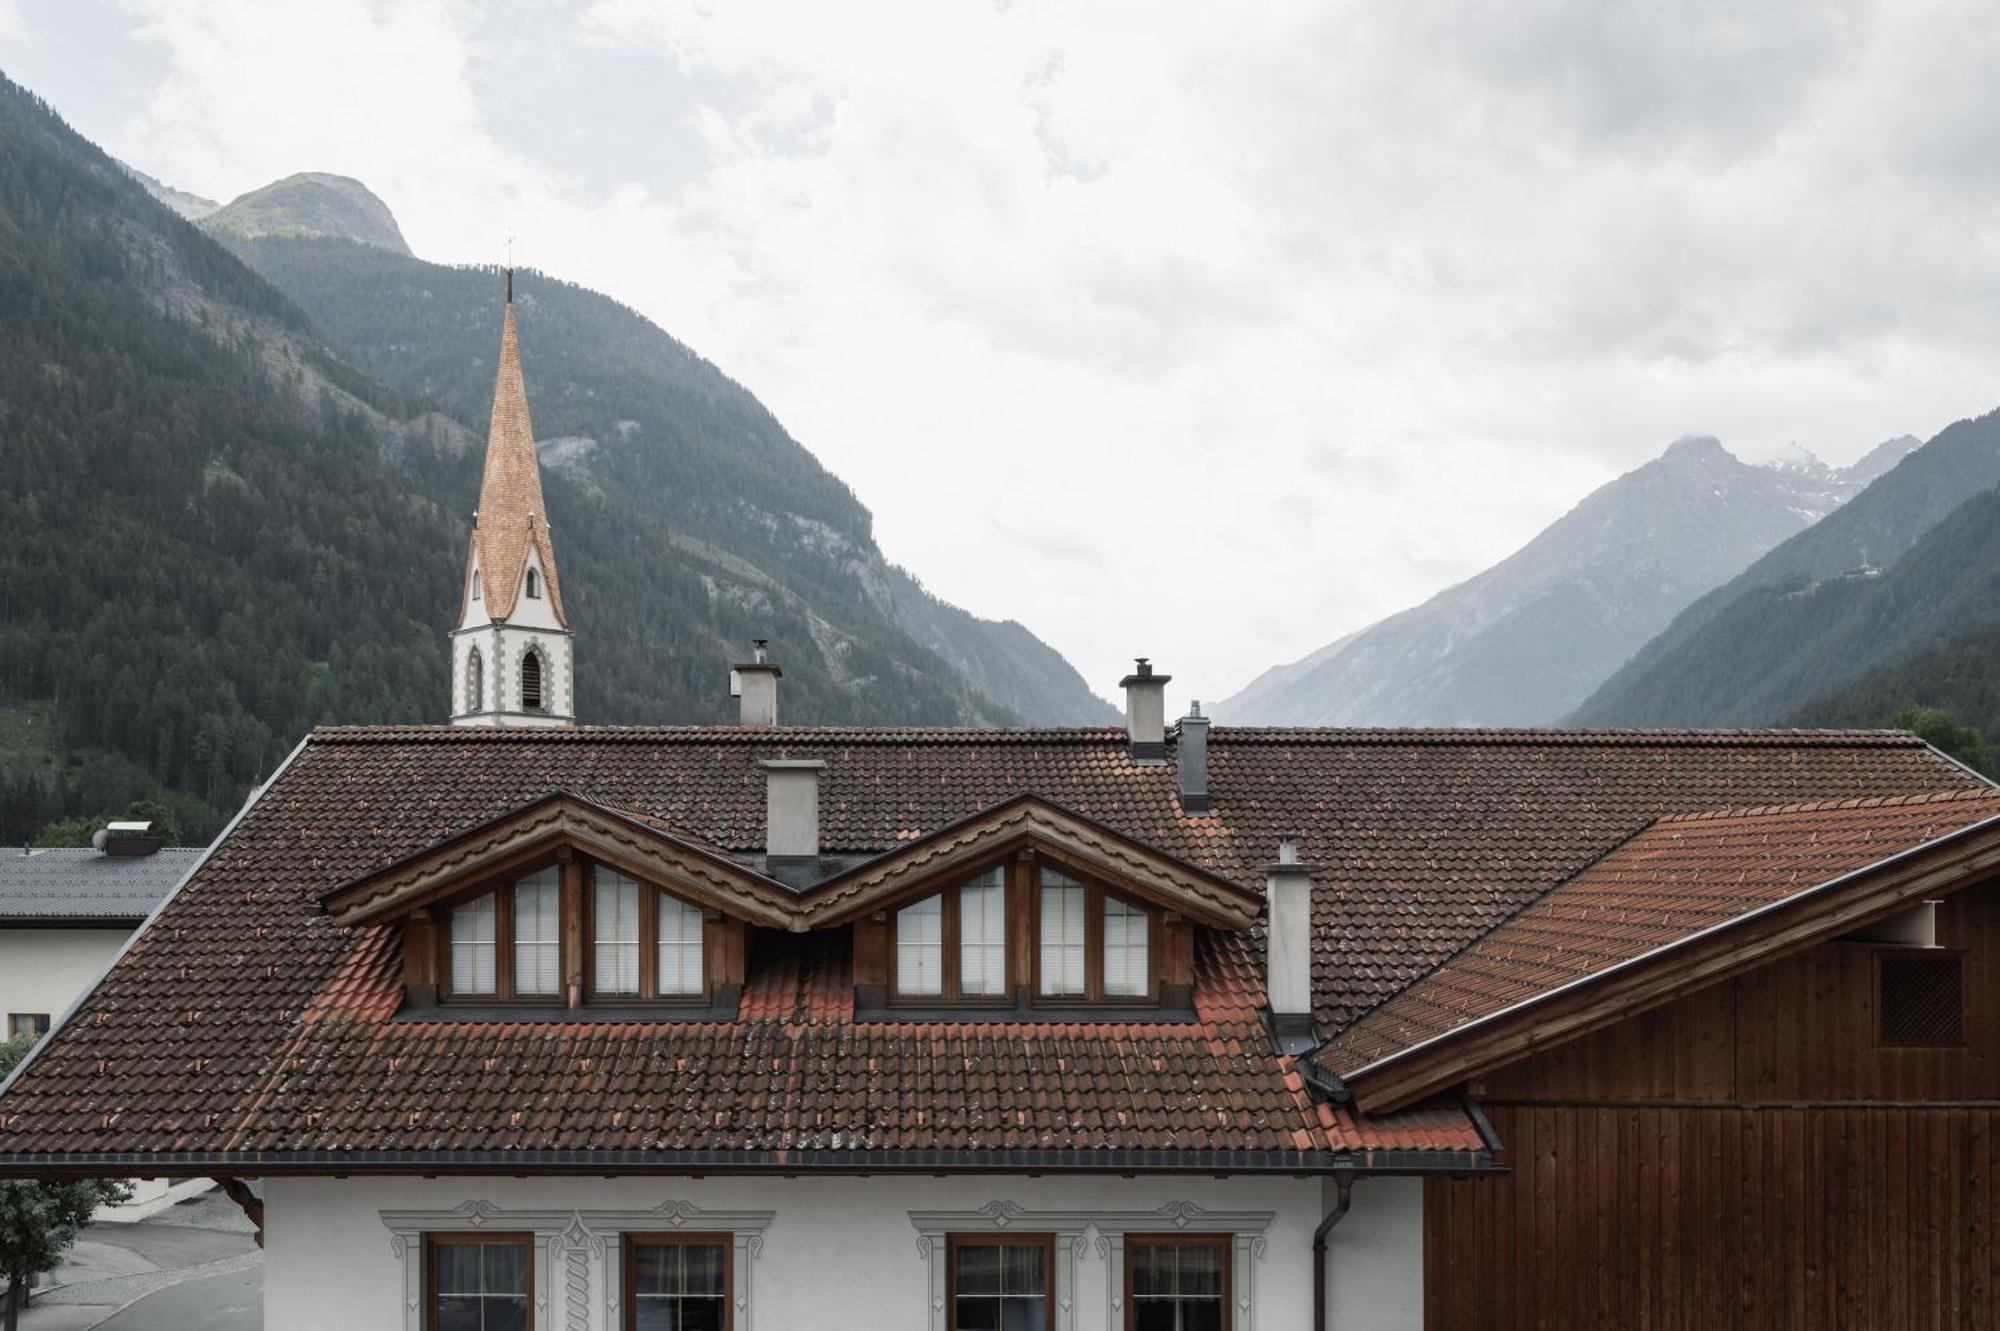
[1202, 332]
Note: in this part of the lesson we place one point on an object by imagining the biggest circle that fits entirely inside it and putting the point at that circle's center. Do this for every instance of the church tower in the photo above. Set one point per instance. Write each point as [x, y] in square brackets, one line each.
[511, 654]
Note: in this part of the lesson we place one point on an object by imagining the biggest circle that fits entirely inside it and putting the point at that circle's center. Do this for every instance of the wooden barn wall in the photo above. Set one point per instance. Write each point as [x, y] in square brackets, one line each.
[1746, 1156]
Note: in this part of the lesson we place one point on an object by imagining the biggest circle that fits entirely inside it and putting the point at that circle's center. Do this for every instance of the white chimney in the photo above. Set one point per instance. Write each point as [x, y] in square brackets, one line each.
[791, 808]
[1288, 941]
[755, 683]
[1146, 712]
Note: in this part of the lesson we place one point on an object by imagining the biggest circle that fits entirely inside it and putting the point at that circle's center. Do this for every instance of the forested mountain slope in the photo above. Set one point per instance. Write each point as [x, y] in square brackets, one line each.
[1709, 666]
[219, 532]
[1528, 639]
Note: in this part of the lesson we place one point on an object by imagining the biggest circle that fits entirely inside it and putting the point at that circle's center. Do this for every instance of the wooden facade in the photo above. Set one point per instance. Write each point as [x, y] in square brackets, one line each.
[1749, 1155]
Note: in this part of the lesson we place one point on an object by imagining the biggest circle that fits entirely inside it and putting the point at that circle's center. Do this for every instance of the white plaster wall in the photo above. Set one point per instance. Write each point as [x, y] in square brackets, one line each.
[536, 612]
[840, 1254]
[1375, 1257]
[44, 970]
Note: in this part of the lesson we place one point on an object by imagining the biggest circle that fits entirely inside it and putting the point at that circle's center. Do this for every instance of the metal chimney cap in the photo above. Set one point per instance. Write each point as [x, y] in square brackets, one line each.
[792, 764]
[1142, 674]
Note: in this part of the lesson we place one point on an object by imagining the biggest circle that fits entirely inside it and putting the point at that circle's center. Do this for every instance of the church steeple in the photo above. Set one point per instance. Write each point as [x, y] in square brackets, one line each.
[511, 650]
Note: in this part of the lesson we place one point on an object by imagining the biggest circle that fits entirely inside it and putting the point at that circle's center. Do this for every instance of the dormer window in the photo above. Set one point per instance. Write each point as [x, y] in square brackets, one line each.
[507, 943]
[534, 585]
[952, 945]
[1094, 946]
[646, 944]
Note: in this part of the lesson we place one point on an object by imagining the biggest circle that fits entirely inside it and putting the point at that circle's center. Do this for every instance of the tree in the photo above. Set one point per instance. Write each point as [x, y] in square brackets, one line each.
[40, 1220]
[1940, 729]
[78, 831]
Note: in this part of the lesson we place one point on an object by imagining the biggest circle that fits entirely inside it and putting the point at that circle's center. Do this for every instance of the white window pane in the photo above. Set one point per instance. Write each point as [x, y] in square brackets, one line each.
[920, 947]
[982, 935]
[680, 947]
[1062, 935]
[1125, 940]
[616, 945]
[472, 955]
[538, 934]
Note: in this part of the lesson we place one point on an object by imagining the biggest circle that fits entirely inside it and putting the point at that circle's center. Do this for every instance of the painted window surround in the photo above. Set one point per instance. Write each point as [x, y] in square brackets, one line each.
[567, 1246]
[1074, 1231]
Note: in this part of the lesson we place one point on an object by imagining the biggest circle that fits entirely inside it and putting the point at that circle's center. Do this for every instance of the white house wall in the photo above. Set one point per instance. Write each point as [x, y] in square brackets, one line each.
[1375, 1256]
[44, 970]
[829, 1254]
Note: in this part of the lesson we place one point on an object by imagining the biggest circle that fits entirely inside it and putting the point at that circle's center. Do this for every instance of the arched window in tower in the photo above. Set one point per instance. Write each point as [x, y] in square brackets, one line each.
[534, 585]
[531, 681]
[475, 682]
[475, 584]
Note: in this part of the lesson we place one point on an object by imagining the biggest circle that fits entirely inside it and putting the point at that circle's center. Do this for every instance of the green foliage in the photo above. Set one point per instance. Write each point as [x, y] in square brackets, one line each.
[78, 831]
[1940, 729]
[40, 1220]
[1801, 621]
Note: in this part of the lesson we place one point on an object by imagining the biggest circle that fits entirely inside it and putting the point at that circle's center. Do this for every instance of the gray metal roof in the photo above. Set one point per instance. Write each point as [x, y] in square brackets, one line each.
[66, 885]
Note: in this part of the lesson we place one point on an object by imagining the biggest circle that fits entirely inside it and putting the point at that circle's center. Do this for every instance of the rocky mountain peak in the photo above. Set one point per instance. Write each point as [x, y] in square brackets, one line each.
[312, 204]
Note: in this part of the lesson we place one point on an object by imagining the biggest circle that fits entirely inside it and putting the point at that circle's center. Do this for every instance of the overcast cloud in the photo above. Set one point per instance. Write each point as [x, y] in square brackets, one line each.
[1209, 332]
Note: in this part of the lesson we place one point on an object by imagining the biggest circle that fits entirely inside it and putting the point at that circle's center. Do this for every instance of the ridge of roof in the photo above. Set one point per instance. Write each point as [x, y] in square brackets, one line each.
[1946, 796]
[1258, 735]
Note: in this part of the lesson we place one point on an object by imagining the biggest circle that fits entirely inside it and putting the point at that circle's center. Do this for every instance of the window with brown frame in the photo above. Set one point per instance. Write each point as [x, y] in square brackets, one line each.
[1176, 1282]
[951, 946]
[677, 1282]
[506, 944]
[1000, 1282]
[1093, 946]
[479, 1282]
[647, 945]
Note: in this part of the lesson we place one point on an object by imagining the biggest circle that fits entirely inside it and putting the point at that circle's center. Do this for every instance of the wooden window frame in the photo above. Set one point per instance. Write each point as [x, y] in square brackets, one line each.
[1952, 954]
[954, 1243]
[1224, 1244]
[473, 1238]
[649, 948]
[38, 1024]
[951, 963]
[629, 1318]
[1093, 995]
[501, 888]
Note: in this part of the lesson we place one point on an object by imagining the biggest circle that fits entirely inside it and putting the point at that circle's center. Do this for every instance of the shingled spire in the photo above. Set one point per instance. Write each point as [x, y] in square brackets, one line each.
[511, 652]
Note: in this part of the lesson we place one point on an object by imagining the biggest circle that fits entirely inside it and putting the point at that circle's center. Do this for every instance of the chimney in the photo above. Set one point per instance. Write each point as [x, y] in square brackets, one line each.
[1146, 713]
[755, 682]
[791, 810]
[1288, 942]
[130, 840]
[1191, 753]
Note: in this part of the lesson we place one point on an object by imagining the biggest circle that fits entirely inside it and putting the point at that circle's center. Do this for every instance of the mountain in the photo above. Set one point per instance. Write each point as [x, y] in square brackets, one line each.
[220, 531]
[311, 203]
[636, 419]
[1528, 639]
[191, 206]
[1718, 663]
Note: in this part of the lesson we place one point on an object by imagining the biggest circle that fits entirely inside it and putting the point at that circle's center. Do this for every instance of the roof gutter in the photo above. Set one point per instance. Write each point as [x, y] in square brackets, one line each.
[249, 803]
[1535, 1000]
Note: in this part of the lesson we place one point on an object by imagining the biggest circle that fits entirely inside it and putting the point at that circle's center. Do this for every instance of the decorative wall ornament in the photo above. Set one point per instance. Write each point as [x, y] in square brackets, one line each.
[571, 1247]
[1246, 1231]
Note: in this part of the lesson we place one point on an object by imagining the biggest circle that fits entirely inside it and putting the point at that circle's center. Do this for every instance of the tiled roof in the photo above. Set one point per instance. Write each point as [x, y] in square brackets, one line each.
[1679, 876]
[68, 884]
[243, 1019]
[512, 516]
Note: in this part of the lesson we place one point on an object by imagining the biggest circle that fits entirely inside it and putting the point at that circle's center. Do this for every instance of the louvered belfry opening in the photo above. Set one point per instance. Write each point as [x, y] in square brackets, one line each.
[531, 682]
[1922, 998]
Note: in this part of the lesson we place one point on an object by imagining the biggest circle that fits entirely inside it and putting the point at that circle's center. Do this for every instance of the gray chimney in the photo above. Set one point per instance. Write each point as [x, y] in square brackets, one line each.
[1288, 942]
[1146, 712]
[791, 810]
[1191, 754]
[755, 682]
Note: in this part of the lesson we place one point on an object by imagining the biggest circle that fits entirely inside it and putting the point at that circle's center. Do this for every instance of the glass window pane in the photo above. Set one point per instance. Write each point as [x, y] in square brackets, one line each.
[1062, 935]
[701, 1315]
[656, 1268]
[616, 941]
[982, 935]
[1203, 1316]
[538, 934]
[1023, 1315]
[1022, 1269]
[1125, 941]
[457, 1268]
[472, 956]
[458, 1312]
[506, 1268]
[1200, 1270]
[702, 1272]
[1152, 1269]
[654, 1315]
[981, 1314]
[1155, 1315]
[978, 1269]
[506, 1315]
[680, 947]
[920, 947]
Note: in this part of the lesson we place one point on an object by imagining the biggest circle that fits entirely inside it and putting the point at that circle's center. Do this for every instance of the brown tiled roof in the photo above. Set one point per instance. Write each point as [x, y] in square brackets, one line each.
[245, 1020]
[512, 517]
[1681, 875]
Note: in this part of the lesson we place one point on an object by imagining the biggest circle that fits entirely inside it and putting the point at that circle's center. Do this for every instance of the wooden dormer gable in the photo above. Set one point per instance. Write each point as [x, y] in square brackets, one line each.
[541, 831]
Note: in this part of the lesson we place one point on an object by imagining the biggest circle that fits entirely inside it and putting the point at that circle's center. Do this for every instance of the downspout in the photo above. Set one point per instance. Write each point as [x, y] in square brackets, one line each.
[1344, 1182]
